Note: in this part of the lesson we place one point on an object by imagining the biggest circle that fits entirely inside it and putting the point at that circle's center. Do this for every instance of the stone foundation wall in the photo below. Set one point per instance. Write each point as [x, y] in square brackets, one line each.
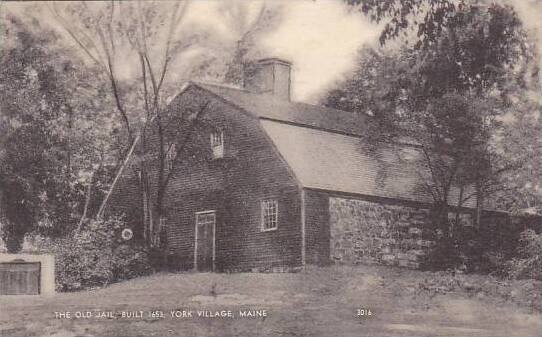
[363, 232]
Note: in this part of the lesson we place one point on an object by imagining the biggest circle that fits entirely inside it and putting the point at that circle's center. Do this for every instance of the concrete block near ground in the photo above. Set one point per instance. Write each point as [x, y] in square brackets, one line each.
[46, 268]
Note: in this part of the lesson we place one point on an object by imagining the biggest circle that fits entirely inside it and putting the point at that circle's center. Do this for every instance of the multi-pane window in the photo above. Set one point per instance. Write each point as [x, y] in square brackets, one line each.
[270, 213]
[171, 153]
[217, 144]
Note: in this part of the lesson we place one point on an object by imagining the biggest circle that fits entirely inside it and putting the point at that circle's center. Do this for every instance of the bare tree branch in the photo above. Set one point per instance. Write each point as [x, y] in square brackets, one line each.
[184, 141]
[177, 15]
[71, 31]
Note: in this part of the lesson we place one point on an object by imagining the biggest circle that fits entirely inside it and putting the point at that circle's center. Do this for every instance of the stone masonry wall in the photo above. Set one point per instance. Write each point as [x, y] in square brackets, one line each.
[375, 233]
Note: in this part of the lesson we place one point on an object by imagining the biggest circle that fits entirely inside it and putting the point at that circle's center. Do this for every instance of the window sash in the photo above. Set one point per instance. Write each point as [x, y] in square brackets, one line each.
[217, 139]
[269, 209]
[217, 144]
[171, 153]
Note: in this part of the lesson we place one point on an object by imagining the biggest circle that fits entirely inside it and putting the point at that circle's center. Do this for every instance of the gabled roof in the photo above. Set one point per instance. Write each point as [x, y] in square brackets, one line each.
[270, 107]
[331, 161]
[325, 148]
[336, 162]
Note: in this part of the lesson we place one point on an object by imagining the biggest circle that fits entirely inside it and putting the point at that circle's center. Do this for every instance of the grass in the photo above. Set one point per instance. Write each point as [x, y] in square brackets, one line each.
[315, 302]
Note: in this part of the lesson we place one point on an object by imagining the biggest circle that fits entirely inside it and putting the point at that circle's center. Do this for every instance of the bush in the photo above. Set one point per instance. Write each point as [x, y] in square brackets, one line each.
[97, 256]
[444, 255]
[528, 264]
[494, 263]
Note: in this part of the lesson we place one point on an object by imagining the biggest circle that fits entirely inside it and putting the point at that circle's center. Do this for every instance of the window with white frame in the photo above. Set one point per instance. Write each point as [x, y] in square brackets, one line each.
[270, 214]
[171, 153]
[217, 144]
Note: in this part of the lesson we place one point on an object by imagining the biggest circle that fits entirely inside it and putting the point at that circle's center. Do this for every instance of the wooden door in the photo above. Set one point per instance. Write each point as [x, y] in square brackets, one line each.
[20, 278]
[204, 254]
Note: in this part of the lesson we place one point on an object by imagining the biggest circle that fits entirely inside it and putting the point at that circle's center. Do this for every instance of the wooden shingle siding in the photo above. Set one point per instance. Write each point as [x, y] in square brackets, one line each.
[126, 198]
[295, 154]
[317, 228]
[234, 186]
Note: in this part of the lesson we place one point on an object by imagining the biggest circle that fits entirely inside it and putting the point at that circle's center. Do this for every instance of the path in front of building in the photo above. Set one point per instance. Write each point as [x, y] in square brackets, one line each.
[317, 302]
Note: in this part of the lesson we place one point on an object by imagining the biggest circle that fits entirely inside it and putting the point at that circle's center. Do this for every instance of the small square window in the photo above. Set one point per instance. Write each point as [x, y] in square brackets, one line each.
[270, 213]
[217, 144]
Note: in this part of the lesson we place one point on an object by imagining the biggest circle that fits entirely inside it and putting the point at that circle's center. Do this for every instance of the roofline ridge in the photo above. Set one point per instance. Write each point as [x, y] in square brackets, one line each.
[230, 86]
[335, 131]
[221, 85]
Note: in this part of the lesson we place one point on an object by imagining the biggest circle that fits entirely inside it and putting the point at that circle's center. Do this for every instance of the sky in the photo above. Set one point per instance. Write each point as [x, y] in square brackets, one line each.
[530, 12]
[321, 38]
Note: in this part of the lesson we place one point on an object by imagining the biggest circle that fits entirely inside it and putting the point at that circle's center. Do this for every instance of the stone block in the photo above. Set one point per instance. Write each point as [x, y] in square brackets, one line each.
[403, 263]
[414, 231]
[409, 243]
[425, 243]
[412, 257]
[389, 241]
[416, 252]
[365, 260]
[402, 256]
[413, 265]
[408, 264]
[388, 257]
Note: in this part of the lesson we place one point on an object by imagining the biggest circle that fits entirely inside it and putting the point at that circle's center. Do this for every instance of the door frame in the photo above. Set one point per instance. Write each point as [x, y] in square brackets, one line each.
[196, 239]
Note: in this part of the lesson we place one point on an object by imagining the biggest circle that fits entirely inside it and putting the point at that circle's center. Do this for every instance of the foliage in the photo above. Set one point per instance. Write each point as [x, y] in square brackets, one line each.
[51, 149]
[427, 17]
[151, 39]
[520, 188]
[424, 21]
[67, 121]
[474, 49]
[529, 262]
[524, 292]
[449, 98]
[97, 256]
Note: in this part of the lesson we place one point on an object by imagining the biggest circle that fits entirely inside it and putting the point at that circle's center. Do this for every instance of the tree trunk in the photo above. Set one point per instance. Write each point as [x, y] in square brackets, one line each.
[479, 205]
[455, 225]
[87, 202]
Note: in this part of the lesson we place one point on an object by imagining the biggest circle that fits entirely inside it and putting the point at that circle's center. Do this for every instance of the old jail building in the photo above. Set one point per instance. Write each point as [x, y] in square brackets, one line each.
[265, 183]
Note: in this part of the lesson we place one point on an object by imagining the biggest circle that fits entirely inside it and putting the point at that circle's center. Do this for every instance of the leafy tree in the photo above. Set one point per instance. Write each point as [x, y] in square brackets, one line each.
[521, 144]
[145, 34]
[426, 19]
[154, 38]
[448, 93]
[49, 142]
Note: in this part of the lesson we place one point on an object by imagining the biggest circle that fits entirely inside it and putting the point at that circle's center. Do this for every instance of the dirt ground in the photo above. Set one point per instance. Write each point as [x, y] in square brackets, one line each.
[315, 302]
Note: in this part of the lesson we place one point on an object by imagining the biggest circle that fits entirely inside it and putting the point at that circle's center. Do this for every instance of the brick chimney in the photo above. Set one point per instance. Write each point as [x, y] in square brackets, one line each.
[269, 76]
